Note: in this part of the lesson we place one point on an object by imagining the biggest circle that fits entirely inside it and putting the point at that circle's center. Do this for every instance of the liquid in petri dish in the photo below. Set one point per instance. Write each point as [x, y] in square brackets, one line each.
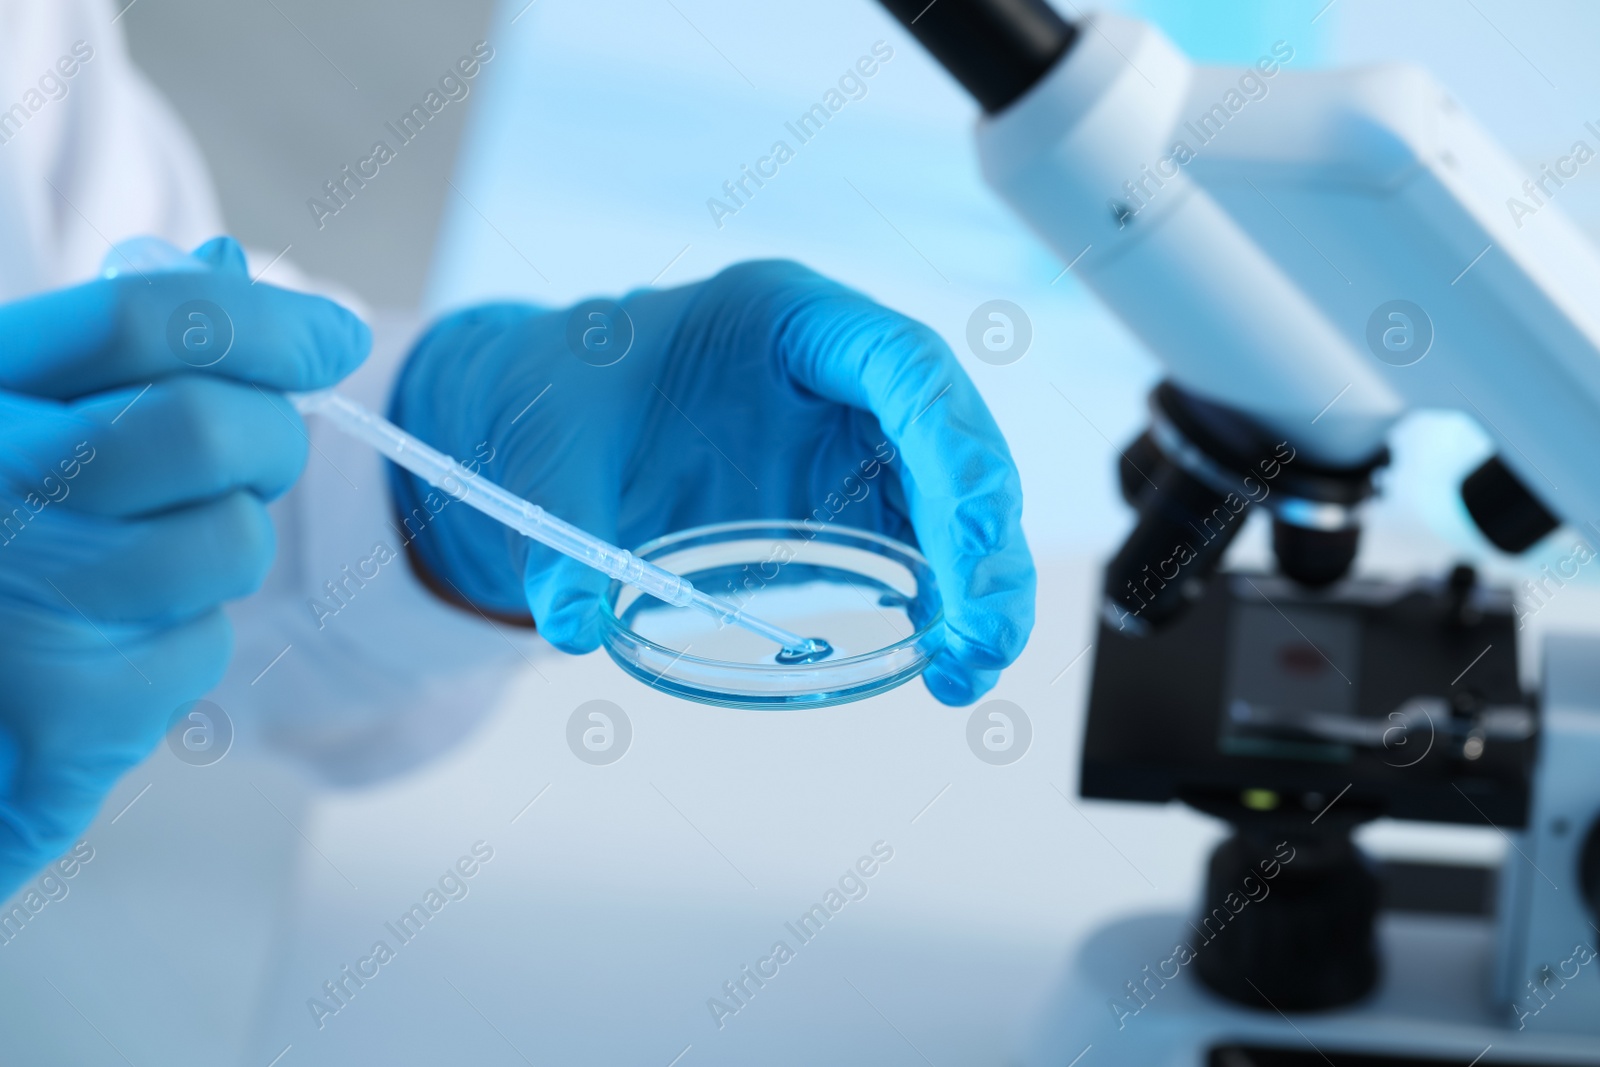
[813, 650]
[868, 598]
[853, 614]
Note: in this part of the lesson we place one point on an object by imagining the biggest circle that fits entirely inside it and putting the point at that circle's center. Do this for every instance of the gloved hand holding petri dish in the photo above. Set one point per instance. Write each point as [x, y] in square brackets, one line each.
[817, 462]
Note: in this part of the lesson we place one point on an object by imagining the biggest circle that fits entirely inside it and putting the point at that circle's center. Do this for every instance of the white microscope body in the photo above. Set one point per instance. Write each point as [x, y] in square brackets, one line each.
[1322, 252]
[1247, 224]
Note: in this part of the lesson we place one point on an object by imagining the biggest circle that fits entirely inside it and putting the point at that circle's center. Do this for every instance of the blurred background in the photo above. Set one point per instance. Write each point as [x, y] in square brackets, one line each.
[621, 897]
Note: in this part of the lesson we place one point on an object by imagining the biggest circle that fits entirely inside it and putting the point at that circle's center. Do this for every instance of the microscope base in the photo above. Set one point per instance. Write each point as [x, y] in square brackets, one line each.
[1432, 1005]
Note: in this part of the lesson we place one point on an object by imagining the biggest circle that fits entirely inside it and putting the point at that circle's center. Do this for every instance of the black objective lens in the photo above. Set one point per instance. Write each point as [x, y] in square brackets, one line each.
[1142, 463]
[1314, 558]
[1184, 528]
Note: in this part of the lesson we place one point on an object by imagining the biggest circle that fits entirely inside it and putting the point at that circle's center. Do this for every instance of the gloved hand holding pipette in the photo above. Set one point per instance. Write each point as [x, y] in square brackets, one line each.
[755, 394]
[133, 491]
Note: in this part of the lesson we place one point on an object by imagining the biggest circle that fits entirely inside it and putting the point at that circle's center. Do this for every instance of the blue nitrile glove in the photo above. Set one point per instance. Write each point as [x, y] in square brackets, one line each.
[765, 392]
[133, 489]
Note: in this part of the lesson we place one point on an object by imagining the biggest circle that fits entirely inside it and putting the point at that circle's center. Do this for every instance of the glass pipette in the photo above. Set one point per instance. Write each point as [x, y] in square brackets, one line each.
[149, 255]
[529, 519]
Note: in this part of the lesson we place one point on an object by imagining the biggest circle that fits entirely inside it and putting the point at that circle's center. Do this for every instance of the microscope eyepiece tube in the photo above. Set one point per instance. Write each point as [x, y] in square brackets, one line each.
[997, 49]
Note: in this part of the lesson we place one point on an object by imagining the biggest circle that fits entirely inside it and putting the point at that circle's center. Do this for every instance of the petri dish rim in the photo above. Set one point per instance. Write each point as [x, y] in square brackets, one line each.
[922, 644]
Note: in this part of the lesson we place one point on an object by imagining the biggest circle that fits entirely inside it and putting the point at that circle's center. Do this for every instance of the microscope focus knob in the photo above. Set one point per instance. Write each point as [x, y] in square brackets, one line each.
[1589, 868]
[1509, 516]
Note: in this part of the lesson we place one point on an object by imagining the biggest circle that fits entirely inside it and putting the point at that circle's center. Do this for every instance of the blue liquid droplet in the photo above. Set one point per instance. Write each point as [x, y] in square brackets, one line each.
[814, 649]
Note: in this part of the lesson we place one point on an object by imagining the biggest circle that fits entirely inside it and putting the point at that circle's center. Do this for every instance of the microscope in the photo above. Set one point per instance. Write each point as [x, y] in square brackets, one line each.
[1311, 255]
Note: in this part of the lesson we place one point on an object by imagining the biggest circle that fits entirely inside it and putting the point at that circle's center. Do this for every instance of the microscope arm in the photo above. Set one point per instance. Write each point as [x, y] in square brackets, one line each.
[1256, 227]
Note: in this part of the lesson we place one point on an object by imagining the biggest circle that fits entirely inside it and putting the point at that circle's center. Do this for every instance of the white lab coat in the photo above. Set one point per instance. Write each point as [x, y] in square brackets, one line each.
[377, 679]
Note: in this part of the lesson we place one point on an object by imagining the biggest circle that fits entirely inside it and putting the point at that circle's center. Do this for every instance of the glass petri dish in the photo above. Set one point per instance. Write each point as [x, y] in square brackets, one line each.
[871, 597]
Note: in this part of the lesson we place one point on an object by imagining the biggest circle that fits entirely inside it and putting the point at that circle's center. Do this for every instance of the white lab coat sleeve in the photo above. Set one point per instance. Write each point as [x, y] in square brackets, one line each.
[345, 661]
[87, 158]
